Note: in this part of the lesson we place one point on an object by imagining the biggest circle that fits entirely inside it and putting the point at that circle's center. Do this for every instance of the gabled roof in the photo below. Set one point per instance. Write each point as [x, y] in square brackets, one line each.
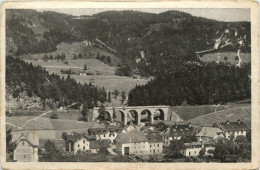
[97, 144]
[98, 131]
[131, 137]
[209, 132]
[197, 143]
[154, 138]
[178, 130]
[233, 126]
[76, 136]
[31, 138]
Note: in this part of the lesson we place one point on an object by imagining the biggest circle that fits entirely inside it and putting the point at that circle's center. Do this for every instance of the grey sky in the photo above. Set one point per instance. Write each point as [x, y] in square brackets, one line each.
[220, 14]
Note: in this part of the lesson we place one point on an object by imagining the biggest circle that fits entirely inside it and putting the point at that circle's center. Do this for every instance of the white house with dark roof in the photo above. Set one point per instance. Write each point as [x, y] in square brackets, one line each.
[209, 134]
[194, 148]
[132, 143]
[233, 129]
[155, 142]
[26, 147]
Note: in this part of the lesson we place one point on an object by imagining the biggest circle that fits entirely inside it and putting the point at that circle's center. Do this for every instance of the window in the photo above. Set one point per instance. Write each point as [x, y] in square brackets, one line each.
[78, 145]
[83, 141]
[83, 147]
[24, 156]
[158, 145]
[23, 142]
[104, 135]
[150, 146]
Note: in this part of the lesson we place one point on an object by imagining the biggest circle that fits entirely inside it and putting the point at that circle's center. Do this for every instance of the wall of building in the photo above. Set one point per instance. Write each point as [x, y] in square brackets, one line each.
[155, 148]
[24, 152]
[108, 135]
[195, 150]
[81, 145]
[237, 133]
[141, 148]
[167, 140]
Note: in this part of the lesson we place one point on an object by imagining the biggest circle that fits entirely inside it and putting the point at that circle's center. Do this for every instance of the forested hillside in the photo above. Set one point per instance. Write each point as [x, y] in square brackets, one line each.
[143, 41]
[22, 77]
[209, 83]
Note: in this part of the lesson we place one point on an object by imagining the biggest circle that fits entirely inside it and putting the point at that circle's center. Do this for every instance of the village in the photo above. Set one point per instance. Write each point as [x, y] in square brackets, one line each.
[160, 141]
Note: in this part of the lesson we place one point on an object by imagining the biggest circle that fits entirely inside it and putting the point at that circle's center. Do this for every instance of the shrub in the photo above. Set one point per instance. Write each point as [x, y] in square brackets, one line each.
[54, 116]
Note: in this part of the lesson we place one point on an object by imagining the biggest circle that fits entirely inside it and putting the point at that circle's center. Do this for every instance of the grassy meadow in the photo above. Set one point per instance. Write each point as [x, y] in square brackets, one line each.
[107, 80]
[220, 57]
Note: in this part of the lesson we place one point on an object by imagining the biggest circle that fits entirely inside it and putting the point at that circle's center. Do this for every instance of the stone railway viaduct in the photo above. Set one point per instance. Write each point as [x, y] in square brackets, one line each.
[137, 113]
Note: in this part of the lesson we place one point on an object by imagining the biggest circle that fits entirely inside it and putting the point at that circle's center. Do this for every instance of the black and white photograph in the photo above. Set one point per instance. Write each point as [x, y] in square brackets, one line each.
[151, 85]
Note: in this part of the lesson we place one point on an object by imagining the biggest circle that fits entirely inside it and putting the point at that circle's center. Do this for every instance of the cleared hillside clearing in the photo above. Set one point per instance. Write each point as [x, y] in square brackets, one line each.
[245, 57]
[191, 112]
[242, 113]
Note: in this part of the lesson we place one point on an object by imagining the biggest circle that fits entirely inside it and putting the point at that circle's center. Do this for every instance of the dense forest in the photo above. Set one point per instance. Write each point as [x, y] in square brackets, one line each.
[202, 83]
[21, 77]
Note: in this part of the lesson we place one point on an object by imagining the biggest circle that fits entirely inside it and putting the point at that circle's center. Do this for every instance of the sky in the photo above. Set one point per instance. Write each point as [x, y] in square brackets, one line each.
[220, 14]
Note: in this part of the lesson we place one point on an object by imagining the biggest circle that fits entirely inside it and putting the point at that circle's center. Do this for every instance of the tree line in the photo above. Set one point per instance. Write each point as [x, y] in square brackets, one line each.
[21, 76]
[201, 83]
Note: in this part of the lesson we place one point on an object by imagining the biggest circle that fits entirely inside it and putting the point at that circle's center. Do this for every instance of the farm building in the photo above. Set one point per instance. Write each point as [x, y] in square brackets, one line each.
[176, 132]
[209, 134]
[96, 145]
[26, 148]
[233, 129]
[132, 143]
[194, 148]
[155, 143]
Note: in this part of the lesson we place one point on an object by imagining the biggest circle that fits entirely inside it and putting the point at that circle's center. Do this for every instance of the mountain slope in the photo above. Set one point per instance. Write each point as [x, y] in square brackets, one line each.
[133, 36]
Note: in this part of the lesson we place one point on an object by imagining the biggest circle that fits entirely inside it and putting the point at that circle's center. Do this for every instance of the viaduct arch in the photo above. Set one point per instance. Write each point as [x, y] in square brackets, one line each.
[134, 113]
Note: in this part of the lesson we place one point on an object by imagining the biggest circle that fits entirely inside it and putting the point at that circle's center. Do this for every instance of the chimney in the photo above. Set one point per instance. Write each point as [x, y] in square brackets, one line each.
[238, 121]
[228, 122]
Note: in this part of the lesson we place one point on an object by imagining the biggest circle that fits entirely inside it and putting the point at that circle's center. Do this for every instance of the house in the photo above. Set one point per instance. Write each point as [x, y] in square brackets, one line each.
[176, 132]
[105, 133]
[77, 142]
[26, 147]
[233, 129]
[132, 143]
[194, 148]
[209, 134]
[96, 145]
[155, 142]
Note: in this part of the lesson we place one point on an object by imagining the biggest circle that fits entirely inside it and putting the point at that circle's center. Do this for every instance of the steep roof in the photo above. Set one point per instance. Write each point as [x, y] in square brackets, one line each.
[97, 144]
[74, 137]
[233, 126]
[154, 138]
[131, 137]
[179, 130]
[98, 131]
[197, 143]
[31, 138]
[209, 132]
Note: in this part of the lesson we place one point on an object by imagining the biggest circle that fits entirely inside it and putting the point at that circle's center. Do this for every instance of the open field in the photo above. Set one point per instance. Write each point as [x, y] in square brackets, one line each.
[245, 57]
[69, 49]
[69, 114]
[54, 66]
[232, 114]
[107, 80]
[191, 112]
[42, 123]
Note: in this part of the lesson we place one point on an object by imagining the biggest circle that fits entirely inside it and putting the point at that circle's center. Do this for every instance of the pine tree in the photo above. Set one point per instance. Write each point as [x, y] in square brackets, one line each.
[109, 97]
[85, 67]
[116, 92]
[123, 97]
